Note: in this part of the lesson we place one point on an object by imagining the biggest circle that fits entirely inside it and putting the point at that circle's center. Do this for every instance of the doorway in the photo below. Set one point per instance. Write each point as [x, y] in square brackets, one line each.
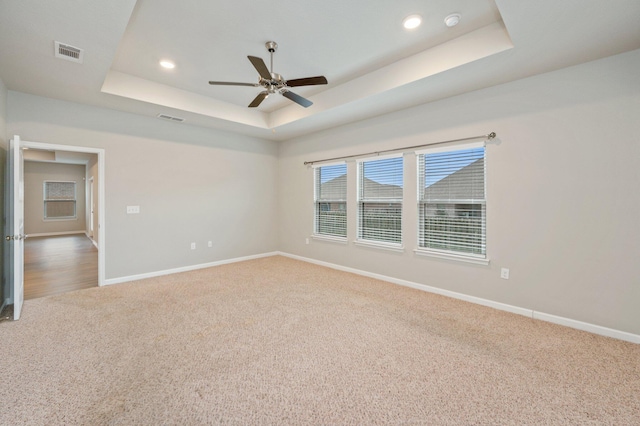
[89, 244]
[61, 252]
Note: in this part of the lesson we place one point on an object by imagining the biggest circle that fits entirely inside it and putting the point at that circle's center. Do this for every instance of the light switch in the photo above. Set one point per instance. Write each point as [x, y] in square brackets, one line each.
[133, 209]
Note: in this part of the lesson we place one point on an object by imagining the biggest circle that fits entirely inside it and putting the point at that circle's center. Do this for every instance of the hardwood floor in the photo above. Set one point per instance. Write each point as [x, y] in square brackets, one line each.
[54, 265]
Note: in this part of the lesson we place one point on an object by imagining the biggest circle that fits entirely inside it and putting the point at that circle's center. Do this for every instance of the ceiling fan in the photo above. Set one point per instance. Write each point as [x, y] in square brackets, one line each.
[273, 82]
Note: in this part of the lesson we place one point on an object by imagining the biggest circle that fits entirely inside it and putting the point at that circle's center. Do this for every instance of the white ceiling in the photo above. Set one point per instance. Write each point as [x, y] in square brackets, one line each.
[373, 65]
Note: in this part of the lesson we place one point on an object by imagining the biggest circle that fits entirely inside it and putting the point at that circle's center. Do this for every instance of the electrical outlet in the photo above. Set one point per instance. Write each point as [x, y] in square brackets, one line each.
[504, 273]
[210, 244]
[193, 246]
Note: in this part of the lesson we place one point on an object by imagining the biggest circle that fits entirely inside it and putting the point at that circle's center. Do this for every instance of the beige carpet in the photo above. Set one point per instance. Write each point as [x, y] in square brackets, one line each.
[278, 341]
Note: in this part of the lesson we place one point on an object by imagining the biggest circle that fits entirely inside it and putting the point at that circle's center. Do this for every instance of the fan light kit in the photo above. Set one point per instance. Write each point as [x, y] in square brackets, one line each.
[452, 20]
[273, 82]
[412, 21]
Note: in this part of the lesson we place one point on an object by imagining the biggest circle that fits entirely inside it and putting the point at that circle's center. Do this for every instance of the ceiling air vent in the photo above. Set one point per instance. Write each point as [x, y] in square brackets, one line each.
[170, 118]
[70, 53]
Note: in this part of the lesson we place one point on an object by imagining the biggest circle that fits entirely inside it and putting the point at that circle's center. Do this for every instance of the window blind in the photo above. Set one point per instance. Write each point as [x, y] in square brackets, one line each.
[59, 200]
[451, 200]
[380, 187]
[331, 200]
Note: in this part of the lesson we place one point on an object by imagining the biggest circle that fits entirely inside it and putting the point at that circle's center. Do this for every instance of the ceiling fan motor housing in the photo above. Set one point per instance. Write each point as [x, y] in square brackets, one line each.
[275, 84]
[271, 46]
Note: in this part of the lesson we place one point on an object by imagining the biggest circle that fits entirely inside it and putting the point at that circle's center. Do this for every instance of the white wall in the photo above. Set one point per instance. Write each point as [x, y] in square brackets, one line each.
[562, 192]
[192, 184]
[35, 174]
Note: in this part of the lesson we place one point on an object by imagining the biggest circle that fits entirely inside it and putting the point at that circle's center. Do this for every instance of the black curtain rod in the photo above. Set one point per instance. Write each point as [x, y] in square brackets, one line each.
[406, 148]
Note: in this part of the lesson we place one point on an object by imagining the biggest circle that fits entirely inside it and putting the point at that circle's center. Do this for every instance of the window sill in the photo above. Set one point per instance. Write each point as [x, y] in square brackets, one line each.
[379, 245]
[59, 219]
[451, 256]
[329, 238]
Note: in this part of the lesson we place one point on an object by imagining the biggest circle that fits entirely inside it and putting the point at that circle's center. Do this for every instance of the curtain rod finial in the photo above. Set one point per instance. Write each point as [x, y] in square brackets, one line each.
[492, 135]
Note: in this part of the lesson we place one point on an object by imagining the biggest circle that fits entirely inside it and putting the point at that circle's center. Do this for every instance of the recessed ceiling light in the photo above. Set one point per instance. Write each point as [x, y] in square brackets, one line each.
[412, 21]
[167, 64]
[452, 20]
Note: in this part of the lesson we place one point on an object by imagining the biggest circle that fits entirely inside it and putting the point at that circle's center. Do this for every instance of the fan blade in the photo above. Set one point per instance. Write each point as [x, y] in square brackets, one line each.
[260, 66]
[230, 83]
[309, 81]
[258, 100]
[297, 99]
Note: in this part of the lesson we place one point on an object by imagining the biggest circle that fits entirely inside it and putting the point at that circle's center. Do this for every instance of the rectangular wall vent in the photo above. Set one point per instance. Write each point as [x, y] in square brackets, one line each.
[70, 53]
[170, 118]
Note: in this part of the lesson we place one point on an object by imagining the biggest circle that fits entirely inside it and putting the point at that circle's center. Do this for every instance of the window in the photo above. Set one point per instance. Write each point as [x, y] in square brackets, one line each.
[451, 200]
[59, 200]
[380, 184]
[331, 200]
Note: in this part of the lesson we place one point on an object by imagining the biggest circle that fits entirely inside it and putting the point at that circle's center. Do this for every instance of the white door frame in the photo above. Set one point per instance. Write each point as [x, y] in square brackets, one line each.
[101, 195]
[91, 204]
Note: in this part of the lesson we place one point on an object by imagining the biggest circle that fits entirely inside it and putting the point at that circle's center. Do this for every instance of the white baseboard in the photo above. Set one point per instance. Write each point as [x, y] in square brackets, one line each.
[53, 234]
[585, 326]
[568, 322]
[186, 268]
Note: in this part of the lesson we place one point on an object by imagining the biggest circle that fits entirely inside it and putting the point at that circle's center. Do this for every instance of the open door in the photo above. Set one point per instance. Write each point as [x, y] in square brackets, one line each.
[14, 234]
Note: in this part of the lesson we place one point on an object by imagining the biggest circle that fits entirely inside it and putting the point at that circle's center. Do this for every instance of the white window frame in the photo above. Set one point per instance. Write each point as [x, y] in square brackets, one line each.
[361, 200]
[476, 258]
[317, 201]
[46, 201]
